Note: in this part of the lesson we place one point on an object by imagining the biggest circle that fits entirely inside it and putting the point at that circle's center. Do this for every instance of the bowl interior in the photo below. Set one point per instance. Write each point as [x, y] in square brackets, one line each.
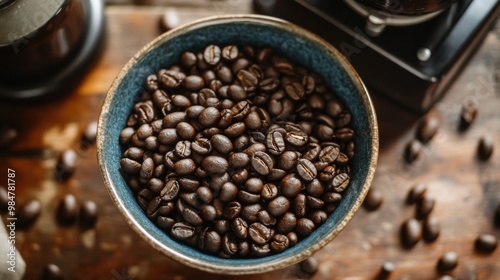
[300, 47]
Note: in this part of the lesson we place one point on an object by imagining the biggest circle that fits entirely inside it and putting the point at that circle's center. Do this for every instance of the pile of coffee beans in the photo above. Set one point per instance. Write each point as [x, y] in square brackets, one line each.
[237, 151]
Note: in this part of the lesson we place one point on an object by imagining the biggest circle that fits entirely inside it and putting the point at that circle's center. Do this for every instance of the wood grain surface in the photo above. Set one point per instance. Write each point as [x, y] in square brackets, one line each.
[466, 190]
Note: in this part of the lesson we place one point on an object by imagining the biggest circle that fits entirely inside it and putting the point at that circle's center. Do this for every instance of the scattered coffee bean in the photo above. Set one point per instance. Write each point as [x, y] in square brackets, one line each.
[88, 213]
[411, 233]
[386, 269]
[448, 261]
[486, 243]
[485, 147]
[68, 210]
[169, 20]
[51, 272]
[424, 207]
[226, 151]
[416, 193]
[66, 164]
[427, 128]
[430, 228]
[89, 134]
[468, 114]
[413, 150]
[373, 199]
[29, 213]
[8, 134]
[309, 265]
[4, 199]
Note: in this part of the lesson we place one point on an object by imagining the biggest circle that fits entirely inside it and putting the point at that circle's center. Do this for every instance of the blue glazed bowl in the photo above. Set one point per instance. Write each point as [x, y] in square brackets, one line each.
[297, 44]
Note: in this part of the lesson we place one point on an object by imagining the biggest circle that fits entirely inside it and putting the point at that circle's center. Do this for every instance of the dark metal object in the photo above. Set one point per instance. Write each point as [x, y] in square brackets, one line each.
[413, 65]
[46, 47]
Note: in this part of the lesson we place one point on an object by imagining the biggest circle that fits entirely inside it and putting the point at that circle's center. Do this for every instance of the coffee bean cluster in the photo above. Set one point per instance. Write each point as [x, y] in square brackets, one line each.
[237, 151]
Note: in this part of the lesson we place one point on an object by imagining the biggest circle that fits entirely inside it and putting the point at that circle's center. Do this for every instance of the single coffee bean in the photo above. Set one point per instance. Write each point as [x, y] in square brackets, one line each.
[215, 164]
[304, 226]
[89, 134]
[286, 223]
[221, 143]
[68, 160]
[68, 210]
[185, 166]
[448, 261]
[250, 212]
[300, 205]
[126, 135]
[202, 146]
[265, 218]
[236, 93]
[193, 83]
[51, 272]
[340, 182]
[4, 199]
[309, 265]
[262, 163]
[247, 197]
[269, 192]
[424, 207]
[373, 199]
[468, 114]
[485, 147]
[259, 233]
[188, 60]
[486, 243]
[205, 194]
[430, 228]
[29, 213]
[291, 185]
[230, 53]
[427, 128]
[260, 250]
[235, 130]
[295, 91]
[229, 244]
[248, 80]
[168, 136]
[296, 138]
[212, 54]
[147, 167]
[411, 233]
[278, 206]
[238, 160]
[222, 226]
[314, 203]
[240, 228]
[144, 197]
[306, 170]
[315, 188]
[318, 217]
[288, 160]
[169, 20]
[344, 134]
[416, 193]
[386, 269]
[279, 243]
[88, 213]
[151, 82]
[191, 217]
[412, 151]
[182, 231]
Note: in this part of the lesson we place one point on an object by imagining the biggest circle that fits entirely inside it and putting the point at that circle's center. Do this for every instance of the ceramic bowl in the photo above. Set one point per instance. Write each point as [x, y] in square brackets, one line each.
[300, 46]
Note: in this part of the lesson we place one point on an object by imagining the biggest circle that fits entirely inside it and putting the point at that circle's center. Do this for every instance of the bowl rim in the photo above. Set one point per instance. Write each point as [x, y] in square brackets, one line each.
[252, 268]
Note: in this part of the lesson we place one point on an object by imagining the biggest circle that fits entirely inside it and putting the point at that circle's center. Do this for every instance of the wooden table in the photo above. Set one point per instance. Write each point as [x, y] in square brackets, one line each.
[466, 191]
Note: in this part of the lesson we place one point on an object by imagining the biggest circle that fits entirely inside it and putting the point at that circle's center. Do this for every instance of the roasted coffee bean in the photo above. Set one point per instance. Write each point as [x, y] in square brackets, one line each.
[485, 147]
[51, 272]
[288, 160]
[182, 231]
[68, 160]
[238, 160]
[185, 166]
[486, 243]
[269, 192]
[222, 226]
[262, 163]
[209, 117]
[205, 194]
[332, 197]
[315, 188]
[153, 207]
[279, 243]
[295, 91]
[296, 138]
[232, 210]
[343, 120]
[275, 142]
[325, 132]
[248, 80]
[299, 205]
[427, 128]
[309, 265]
[172, 119]
[168, 136]
[278, 206]
[269, 85]
[152, 82]
[318, 217]
[88, 213]
[215, 164]
[275, 107]
[327, 173]
[306, 170]
[260, 250]
[416, 193]
[253, 185]
[467, 114]
[291, 185]
[286, 223]
[235, 130]
[430, 228]
[221, 143]
[250, 212]
[304, 226]
[314, 203]
[185, 131]
[236, 93]
[170, 79]
[424, 207]
[266, 219]
[247, 197]
[412, 151]
[240, 228]
[230, 53]
[259, 233]
[344, 134]
[340, 182]
[212, 241]
[147, 168]
[386, 269]
[411, 233]
[68, 210]
[29, 213]
[229, 244]
[126, 135]
[448, 261]
[145, 112]
[191, 217]
[134, 153]
[212, 54]
[202, 146]
[188, 60]
[240, 176]
[373, 199]
[193, 83]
